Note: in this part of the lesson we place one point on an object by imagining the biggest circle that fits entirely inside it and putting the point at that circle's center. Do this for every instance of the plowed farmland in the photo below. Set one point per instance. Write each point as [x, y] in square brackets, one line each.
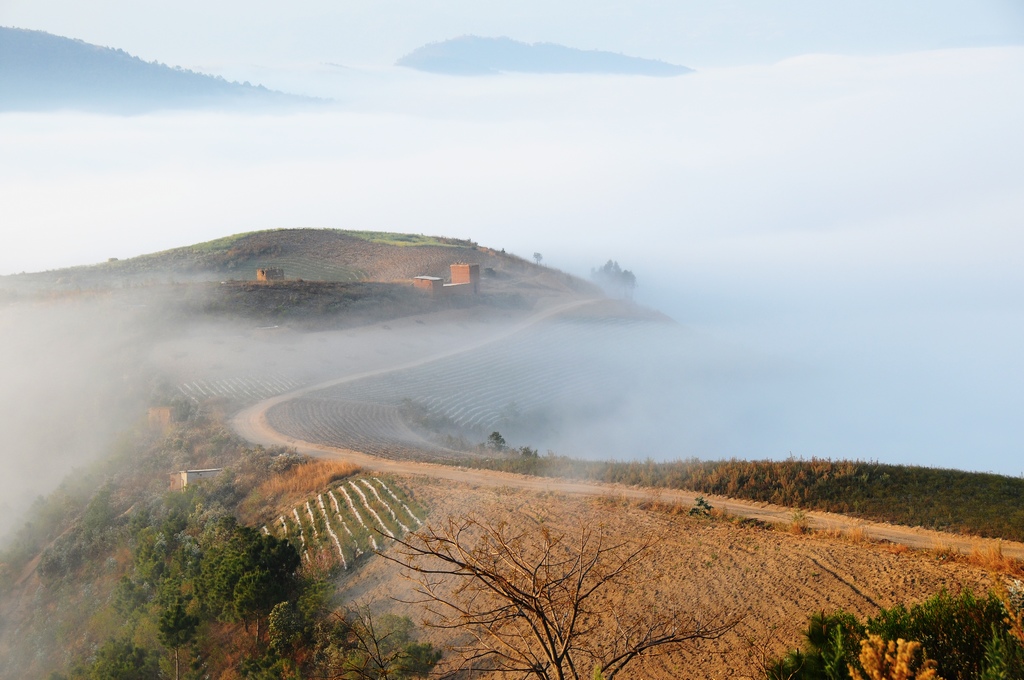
[242, 389]
[529, 386]
[772, 581]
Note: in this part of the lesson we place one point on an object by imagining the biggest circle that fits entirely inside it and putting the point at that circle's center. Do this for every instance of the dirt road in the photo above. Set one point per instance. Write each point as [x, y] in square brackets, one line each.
[252, 425]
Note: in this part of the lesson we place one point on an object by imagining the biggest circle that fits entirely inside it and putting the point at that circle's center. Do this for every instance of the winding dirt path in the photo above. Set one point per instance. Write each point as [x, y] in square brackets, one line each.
[251, 424]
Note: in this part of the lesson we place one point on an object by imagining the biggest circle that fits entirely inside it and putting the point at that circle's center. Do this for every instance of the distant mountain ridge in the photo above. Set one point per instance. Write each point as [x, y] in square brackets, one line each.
[474, 55]
[40, 71]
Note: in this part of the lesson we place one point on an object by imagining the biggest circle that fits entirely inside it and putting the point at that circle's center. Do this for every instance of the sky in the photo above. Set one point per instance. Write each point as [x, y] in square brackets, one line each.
[355, 33]
[830, 206]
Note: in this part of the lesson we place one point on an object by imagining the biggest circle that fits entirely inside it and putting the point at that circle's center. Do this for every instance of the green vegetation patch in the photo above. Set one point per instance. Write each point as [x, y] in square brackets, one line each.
[396, 239]
[219, 244]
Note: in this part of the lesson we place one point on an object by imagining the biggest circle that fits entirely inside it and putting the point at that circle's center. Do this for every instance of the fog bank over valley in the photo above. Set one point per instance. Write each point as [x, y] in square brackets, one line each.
[837, 237]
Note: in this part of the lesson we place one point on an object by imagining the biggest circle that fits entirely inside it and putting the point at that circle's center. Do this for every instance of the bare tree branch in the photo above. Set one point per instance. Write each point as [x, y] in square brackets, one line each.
[536, 603]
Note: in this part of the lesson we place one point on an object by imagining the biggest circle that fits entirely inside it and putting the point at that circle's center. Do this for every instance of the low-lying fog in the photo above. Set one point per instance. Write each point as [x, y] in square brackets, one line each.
[839, 236]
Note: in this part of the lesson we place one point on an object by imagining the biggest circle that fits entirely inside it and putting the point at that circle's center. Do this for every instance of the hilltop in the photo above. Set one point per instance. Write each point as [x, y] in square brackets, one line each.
[40, 71]
[331, 277]
[307, 254]
[475, 55]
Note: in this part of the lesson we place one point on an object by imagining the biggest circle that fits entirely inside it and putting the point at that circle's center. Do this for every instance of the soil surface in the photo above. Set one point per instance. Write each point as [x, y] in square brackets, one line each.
[769, 582]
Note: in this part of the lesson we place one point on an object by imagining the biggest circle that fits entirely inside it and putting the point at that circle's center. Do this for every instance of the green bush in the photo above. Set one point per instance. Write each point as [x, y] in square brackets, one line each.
[966, 635]
[831, 642]
[956, 630]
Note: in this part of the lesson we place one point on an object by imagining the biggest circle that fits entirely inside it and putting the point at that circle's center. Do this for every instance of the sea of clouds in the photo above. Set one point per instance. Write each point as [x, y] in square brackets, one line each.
[839, 237]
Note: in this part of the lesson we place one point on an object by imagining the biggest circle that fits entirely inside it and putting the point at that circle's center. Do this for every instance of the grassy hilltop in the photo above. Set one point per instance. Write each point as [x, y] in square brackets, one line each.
[332, 277]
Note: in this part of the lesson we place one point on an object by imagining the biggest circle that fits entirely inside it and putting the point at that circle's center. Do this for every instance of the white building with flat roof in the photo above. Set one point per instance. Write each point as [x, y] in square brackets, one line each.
[182, 478]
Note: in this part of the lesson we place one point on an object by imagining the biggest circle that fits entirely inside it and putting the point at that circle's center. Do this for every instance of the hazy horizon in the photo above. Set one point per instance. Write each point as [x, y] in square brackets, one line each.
[837, 231]
[232, 35]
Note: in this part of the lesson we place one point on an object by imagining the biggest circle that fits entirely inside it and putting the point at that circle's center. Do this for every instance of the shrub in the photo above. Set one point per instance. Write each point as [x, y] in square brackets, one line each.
[968, 637]
[954, 630]
[900, 660]
[701, 508]
[830, 646]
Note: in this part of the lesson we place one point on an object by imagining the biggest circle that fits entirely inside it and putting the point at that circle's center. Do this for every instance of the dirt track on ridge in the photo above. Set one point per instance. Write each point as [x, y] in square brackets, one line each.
[251, 424]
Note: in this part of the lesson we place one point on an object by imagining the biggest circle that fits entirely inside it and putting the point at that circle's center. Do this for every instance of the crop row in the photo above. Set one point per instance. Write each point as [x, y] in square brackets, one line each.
[247, 389]
[298, 267]
[356, 517]
[373, 428]
[550, 369]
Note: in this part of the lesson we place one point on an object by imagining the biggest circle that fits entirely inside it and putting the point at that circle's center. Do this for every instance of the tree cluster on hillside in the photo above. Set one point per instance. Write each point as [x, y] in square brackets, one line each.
[614, 279]
[196, 575]
[139, 582]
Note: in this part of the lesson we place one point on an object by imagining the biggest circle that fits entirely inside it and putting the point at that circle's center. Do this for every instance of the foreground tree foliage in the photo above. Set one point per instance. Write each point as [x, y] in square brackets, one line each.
[245, 573]
[175, 629]
[379, 648]
[956, 637]
[539, 604]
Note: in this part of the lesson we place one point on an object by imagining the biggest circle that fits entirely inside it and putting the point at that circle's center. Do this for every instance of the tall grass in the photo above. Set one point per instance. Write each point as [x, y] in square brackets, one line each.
[307, 478]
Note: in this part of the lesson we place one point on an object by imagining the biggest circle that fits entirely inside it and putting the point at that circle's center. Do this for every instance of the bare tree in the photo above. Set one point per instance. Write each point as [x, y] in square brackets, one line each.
[541, 604]
[382, 649]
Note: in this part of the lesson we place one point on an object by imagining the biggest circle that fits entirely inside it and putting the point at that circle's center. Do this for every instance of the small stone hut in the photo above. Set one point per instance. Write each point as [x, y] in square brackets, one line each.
[182, 478]
[160, 417]
[270, 274]
[466, 275]
[465, 278]
[431, 284]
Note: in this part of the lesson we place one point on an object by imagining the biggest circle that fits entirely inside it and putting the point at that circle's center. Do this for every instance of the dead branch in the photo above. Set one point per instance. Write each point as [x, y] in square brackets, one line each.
[536, 603]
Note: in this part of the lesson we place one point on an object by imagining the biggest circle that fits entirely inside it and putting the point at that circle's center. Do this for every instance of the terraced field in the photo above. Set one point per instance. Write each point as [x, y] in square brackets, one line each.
[525, 386]
[298, 266]
[351, 520]
[242, 389]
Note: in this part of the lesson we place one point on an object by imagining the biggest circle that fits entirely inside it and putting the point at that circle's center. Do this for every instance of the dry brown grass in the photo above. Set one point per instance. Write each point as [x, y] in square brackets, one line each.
[857, 535]
[296, 482]
[308, 477]
[993, 559]
[665, 507]
[799, 524]
[944, 551]
[721, 514]
[989, 558]
[900, 660]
